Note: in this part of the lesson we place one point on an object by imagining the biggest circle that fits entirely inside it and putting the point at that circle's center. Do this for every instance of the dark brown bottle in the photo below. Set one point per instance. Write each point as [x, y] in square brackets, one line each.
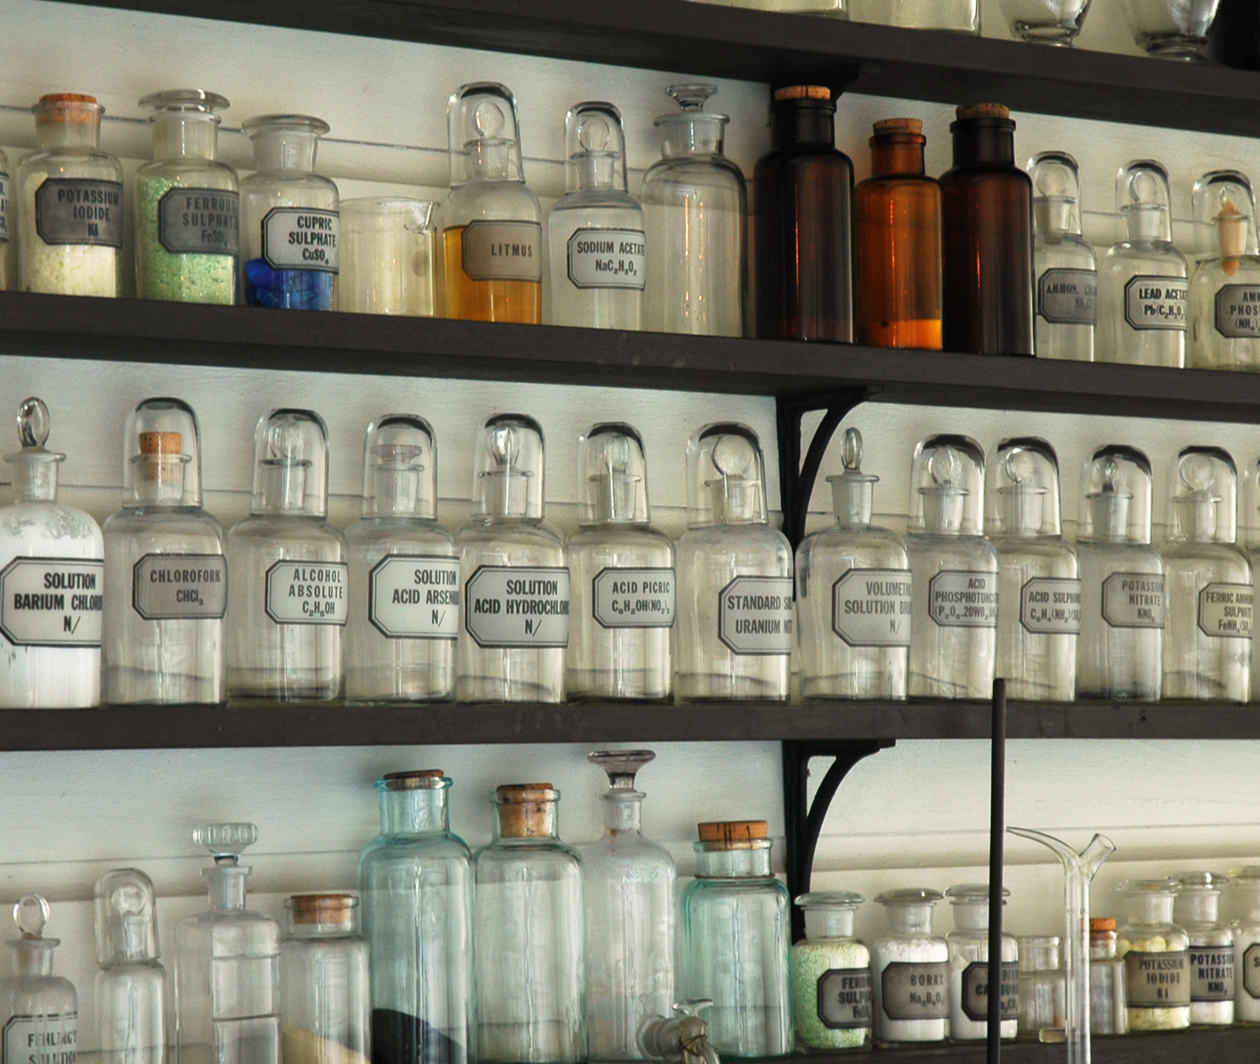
[802, 211]
[988, 256]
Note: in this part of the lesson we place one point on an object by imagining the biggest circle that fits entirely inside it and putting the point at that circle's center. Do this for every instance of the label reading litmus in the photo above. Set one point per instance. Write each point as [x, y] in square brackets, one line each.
[1238, 311]
[1225, 611]
[1155, 303]
[52, 1038]
[1212, 973]
[52, 602]
[607, 258]
[634, 598]
[503, 251]
[755, 615]
[414, 596]
[1068, 297]
[871, 607]
[958, 599]
[1157, 980]
[975, 991]
[1051, 606]
[512, 606]
[300, 238]
[198, 221]
[4, 206]
[179, 587]
[911, 991]
[307, 592]
[1251, 970]
[1133, 600]
[844, 998]
[74, 210]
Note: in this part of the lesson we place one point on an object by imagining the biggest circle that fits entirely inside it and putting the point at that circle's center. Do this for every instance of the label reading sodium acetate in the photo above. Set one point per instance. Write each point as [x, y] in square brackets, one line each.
[607, 258]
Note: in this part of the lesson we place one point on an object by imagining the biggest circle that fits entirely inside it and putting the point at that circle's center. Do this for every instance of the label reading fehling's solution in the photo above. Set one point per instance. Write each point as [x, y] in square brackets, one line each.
[517, 607]
[179, 587]
[300, 238]
[607, 258]
[48, 1039]
[1134, 600]
[975, 991]
[634, 598]
[52, 602]
[1238, 311]
[4, 206]
[502, 251]
[307, 592]
[1157, 980]
[755, 615]
[1225, 611]
[844, 998]
[1212, 973]
[871, 607]
[958, 599]
[199, 221]
[1068, 297]
[1051, 606]
[75, 210]
[414, 596]
[915, 991]
[1156, 303]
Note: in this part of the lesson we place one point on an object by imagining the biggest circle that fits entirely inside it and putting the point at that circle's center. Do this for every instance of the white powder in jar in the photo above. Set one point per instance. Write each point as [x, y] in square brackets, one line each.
[910, 989]
[1247, 973]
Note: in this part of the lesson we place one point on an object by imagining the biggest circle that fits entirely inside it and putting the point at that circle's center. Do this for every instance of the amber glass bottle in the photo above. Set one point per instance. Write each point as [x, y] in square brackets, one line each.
[802, 220]
[987, 227]
[897, 260]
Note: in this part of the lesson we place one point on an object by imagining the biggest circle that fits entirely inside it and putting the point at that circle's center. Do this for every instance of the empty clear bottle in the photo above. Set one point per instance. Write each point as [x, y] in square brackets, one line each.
[1225, 284]
[39, 1011]
[969, 967]
[1065, 270]
[1156, 956]
[130, 987]
[1108, 1013]
[1198, 910]
[910, 971]
[1042, 990]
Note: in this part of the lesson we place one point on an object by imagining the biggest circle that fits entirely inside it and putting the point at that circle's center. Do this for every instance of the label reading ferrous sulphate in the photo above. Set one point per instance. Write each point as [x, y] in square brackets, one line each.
[502, 251]
[414, 596]
[4, 206]
[975, 991]
[1134, 600]
[300, 238]
[307, 592]
[633, 598]
[1157, 980]
[52, 602]
[1225, 611]
[48, 1039]
[1212, 973]
[915, 991]
[844, 998]
[607, 258]
[755, 615]
[1156, 303]
[871, 607]
[1051, 606]
[179, 586]
[517, 607]
[960, 599]
[75, 210]
[199, 221]
[1068, 297]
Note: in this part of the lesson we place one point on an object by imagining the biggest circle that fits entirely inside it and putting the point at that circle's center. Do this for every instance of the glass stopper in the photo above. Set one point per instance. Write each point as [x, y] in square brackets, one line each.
[225, 840]
[284, 442]
[621, 765]
[1019, 466]
[32, 422]
[1110, 476]
[594, 132]
[1143, 187]
[851, 450]
[488, 119]
[943, 467]
[1197, 474]
[504, 446]
[31, 911]
[692, 96]
[733, 455]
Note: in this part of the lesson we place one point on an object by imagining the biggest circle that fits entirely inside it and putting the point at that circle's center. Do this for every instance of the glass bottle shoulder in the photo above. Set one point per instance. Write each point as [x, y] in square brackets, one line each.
[733, 886]
[1226, 555]
[77, 163]
[548, 858]
[190, 172]
[266, 181]
[400, 535]
[1160, 256]
[37, 995]
[490, 200]
[686, 176]
[252, 927]
[627, 848]
[949, 550]
[733, 540]
[385, 850]
[47, 523]
[1045, 548]
[1127, 557]
[163, 521]
[869, 547]
[510, 532]
[620, 538]
[1065, 249]
[571, 205]
[284, 529]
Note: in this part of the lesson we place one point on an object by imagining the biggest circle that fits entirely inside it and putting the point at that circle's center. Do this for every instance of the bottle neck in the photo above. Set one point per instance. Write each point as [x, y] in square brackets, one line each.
[911, 919]
[972, 916]
[34, 476]
[395, 492]
[421, 811]
[158, 480]
[983, 146]
[622, 811]
[1201, 907]
[32, 957]
[797, 122]
[596, 170]
[1151, 909]
[692, 133]
[185, 135]
[226, 885]
[69, 136]
[281, 488]
[1053, 214]
[896, 157]
[285, 149]
[829, 923]
[1102, 945]
[732, 864]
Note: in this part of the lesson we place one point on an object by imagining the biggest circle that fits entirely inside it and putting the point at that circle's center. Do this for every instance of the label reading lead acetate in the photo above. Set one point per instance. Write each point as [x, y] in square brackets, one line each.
[960, 599]
[516, 607]
[1225, 611]
[502, 251]
[844, 998]
[75, 210]
[199, 221]
[755, 615]
[975, 991]
[1051, 606]
[179, 587]
[52, 602]
[307, 592]
[1134, 600]
[1156, 302]
[52, 1038]
[300, 238]
[1212, 973]
[871, 607]
[1068, 297]
[1157, 980]
[607, 258]
[634, 598]
[915, 991]
[414, 596]
[1238, 311]
[4, 206]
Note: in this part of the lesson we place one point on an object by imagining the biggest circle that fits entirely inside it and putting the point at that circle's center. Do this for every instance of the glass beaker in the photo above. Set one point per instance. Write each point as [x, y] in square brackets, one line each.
[388, 256]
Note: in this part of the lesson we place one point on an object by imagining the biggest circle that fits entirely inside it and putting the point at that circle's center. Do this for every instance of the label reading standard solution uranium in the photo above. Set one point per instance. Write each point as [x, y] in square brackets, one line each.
[1225, 611]
[958, 599]
[1051, 606]
[518, 607]
[75, 210]
[1156, 303]
[910, 991]
[52, 602]
[179, 587]
[607, 258]
[414, 596]
[1068, 297]
[300, 238]
[307, 592]
[1133, 600]
[844, 998]
[633, 598]
[1157, 980]
[871, 607]
[755, 615]
[48, 1039]
[502, 251]
[198, 221]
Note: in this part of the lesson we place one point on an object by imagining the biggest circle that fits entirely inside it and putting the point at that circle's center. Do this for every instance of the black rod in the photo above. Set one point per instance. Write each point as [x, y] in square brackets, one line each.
[997, 829]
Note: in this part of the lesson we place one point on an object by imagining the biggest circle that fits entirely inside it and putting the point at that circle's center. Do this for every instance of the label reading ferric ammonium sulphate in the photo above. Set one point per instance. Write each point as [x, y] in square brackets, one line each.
[958, 599]
[1051, 606]
[47, 1039]
[1157, 980]
[755, 615]
[914, 991]
[1156, 303]
[300, 238]
[307, 592]
[1225, 611]
[1134, 600]
[844, 998]
[198, 221]
[607, 258]
[517, 607]
[414, 596]
[871, 607]
[502, 251]
[52, 602]
[76, 210]
[975, 989]
[633, 598]
[179, 586]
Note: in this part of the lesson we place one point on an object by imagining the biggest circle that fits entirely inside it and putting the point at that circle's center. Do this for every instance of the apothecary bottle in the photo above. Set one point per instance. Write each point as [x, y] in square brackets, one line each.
[853, 595]
[734, 928]
[596, 231]
[953, 573]
[187, 224]
[831, 975]
[289, 217]
[289, 596]
[70, 203]
[39, 1011]
[910, 971]
[1198, 910]
[416, 882]
[802, 221]
[513, 573]
[735, 616]
[130, 987]
[1065, 270]
[623, 576]
[1156, 958]
[528, 935]
[492, 236]
[1042, 990]
[8, 228]
[404, 572]
[969, 967]
[897, 255]
[695, 203]
[1225, 285]
[1108, 1011]
[52, 586]
[1245, 885]
[1207, 198]
[959, 15]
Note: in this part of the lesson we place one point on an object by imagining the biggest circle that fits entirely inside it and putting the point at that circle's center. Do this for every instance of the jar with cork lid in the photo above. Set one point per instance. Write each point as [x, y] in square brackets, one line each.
[1107, 994]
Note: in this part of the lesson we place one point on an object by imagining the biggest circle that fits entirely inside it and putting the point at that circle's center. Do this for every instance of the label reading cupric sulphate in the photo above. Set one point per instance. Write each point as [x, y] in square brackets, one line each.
[179, 586]
[1156, 303]
[52, 1038]
[52, 602]
[1134, 600]
[517, 607]
[307, 592]
[300, 238]
[607, 258]
[755, 615]
[414, 596]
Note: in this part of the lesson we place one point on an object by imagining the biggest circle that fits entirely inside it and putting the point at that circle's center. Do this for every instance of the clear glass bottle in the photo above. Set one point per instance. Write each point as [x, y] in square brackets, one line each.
[953, 573]
[39, 1011]
[831, 976]
[166, 579]
[1142, 286]
[1246, 890]
[969, 967]
[187, 224]
[1156, 956]
[960, 15]
[734, 942]
[8, 228]
[1207, 644]
[735, 617]
[1039, 594]
[853, 595]
[1065, 269]
[404, 572]
[1225, 286]
[226, 964]
[289, 218]
[289, 576]
[528, 935]
[623, 576]
[628, 887]
[513, 572]
[1198, 910]
[1210, 194]
[1042, 990]
[695, 204]
[51, 582]
[1250, 520]
[492, 235]
[1108, 1013]
[416, 882]
[70, 203]
[596, 233]
[910, 971]
[130, 987]
[1119, 653]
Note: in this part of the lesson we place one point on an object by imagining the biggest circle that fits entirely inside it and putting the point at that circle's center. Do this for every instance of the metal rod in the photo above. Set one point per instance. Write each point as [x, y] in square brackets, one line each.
[997, 829]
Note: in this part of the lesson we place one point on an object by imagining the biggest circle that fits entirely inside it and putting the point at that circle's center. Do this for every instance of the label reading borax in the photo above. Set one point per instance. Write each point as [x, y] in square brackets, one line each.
[52, 602]
[179, 587]
[1068, 297]
[300, 238]
[1155, 302]
[634, 598]
[607, 258]
[844, 998]
[502, 251]
[1157, 980]
[1238, 311]
[871, 607]
[198, 221]
[4, 206]
[755, 615]
[52, 1038]
[975, 991]
[1134, 600]
[1051, 606]
[513, 606]
[959, 599]
[75, 210]
[1212, 973]
[414, 596]
[307, 592]
[910, 991]
[1225, 611]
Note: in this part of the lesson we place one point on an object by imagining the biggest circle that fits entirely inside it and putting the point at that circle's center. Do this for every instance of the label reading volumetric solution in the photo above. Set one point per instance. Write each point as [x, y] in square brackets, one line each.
[4, 206]
[1251, 970]
[1051, 606]
[502, 251]
[74, 210]
[198, 221]
[414, 596]
[975, 991]
[1225, 611]
[607, 258]
[871, 607]
[307, 592]
[1212, 973]
[1134, 600]
[844, 998]
[1157, 980]
[300, 238]
[52, 602]
[633, 598]
[48, 1039]
[179, 587]
[512, 606]
[1068, 297]
[915, 991]
[755, 615]
[958, 599]
[1155, 303]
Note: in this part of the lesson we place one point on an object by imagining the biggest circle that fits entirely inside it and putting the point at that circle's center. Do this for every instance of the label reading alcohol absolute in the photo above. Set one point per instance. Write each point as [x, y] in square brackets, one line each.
[52, 602]
[1225, 611]
[844, 998]
[958, 599]
[607, 258]
[634, 598]
[74, 210]
[52, 1038]
[512, 606]
[4, 206]
[1155, 303]
[179, 587]
[755, 615]
[300, 238]
[910, 991]
[1251, 970]
[199, 221]
[1157, 980]
[414, 596]
[1134, 600]
[503, 251]
[1212, 973]
[871, 607]
[1068, 297]
[1051, 606]
[975, 991]
[307, 592]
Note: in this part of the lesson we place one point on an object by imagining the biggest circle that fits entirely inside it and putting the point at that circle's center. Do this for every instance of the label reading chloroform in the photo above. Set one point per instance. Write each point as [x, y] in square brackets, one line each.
[300, 238]
[198, 221]
[871, 608]
[502, 251]
[52, 1038]
[607, 258]
[414, 596]
[1051, 606]
[755, 615]
[1157, 980]
[1134, 600]
[179, 586]
[1212, 973]
[52, 601]
[958, 599]
[1225, 611]
[633, 598]
[911, 991]
[1068, 297]
[1238, 311]
[307, 592]
[74, 210]
[975, 991]
[517, 607]
[1155, 303]
[844, 998]
[4, 206]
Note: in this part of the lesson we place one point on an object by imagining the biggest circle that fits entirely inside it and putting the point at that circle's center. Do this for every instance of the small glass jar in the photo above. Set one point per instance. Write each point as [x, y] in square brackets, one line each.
[1156, 956]
[1046, 21]
[1246, 887]
[831, 976]
[910, 971]
[7, 246]
[388, 257]
[969, 967]
[1171, 29]
[37, 1008]
[130, 986]
[1042, 990]
[1107, 1011]
[1198, 910]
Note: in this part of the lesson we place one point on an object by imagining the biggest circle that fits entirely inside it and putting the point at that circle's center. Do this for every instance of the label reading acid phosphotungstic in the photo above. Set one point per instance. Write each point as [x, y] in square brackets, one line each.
[179, 587]
[52, 602]
[915, 991]
[871, 607]
[414, 596]
[307, 592]
[1212, 973]
[48, 1039]
[199, 221]
[958, 599]
[607, 258]
[975, 990]
[1134, 600]
[755, 615]
[1051, 606]
[1157, 980]
[300, 238]
[633, 598]
[518, 607]
[1156, 303]
[844, 998]
[1225, 611]
[1068, 297]
[502, 251]
[75, 210]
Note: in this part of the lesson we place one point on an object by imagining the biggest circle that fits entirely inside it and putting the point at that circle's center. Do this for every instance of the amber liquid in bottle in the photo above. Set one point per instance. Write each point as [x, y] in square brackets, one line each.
[469, 300]
[897, 262]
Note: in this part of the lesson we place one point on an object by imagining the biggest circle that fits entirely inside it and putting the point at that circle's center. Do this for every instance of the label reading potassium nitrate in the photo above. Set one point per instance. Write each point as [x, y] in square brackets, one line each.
[1212, 973]
[1051, 606]
[307, 592]
[1157, 980]
[1225, 611]
[958, 599]
[910, 991]
[844, 998]
[871, 608]
[75, 210]
[1155, 303]
[503, 251]
[1068, 297]
[633, 598]
[975, 991]
[4, 206]
[1133, 600]
[755, 615]
[523, 608]
[52, 602]
[607, 258]
[198, 221]
[179, 587]
[47, 1039]
[414, 596]
[300, 238]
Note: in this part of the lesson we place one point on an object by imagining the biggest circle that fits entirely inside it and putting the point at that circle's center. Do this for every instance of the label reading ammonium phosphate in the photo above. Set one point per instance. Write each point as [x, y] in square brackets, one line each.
[52, 602]
[502, 251]
[1212, 973]
[1155, 303]
[844, 998]
[871, 607]
[48, 1039]
[179, 587]
[1238, 311]
[913, 991]
[512, 606]
[755, 615]
[1051, 606]
[633, 598]
[1068, 297]
[307, 592]
[1225, 611]
[1134, 600]
[1157, 980]
[414, 596]
[198, 221]
[300, 238]
[959, 599]
[975, 991]
[4, 206]
[74, 210]
[607, 258]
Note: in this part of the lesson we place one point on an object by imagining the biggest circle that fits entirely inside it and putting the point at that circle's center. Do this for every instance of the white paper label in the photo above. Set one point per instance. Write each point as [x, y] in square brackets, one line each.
[300, 238]
[1212, 973]
[1068, 297]
[755, 615]
[844, 998]
[52, 602]
[179, 586]
[307, 592]
[76, 210]
[1134, 600]
[502, 251]
[871, 607]
[1225, 611]
[607, 258]
[1051, 606]
[1155, 303]
[48, 1039]
[4, 206]
[1238, 311]
[414, 596]
[959, 599]
[634, 598]
[512, 606]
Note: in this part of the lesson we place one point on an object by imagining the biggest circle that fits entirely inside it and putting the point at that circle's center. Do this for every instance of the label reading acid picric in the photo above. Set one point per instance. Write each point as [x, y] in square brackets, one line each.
[871, 607]
[755, 615]
[1134, 600]
[607, 258]
[1251, 970]
[1238, 311]
[199, 221]
[915, 991]
[179, 587]
[52, 1038]
[307, 592]
[1157, 980]
[1068, 297]
[502, 251]
[1051, 606]
[959, 599]
[516, 607]
[844, 998]
[52, 602]
[975, 991]
[1156, 303]
[633, 598]
[414, 596]
[4, 206]
[75, 210]
[300, 238]
[1225, 611]
[1212, 973]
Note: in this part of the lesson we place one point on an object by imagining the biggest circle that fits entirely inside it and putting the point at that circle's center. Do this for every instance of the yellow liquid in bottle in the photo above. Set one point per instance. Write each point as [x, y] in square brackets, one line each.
[515, 301]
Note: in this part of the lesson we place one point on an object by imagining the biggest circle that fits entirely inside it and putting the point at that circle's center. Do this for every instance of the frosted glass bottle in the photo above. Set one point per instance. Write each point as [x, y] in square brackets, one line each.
[1156, 956]
[1198, 910]
[969, 967]
[910, 971]
[1225, 286]
[39, 1011]
[130, 987]
[1065, 270]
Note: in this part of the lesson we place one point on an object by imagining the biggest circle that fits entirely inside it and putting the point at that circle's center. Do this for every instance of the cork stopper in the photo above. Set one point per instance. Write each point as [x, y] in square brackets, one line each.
[910, 126]
[802, 92]
[526, 810]
[732, 834]
[1102, 923]
[412, 781]
[322, 908]
[161, 443]
[67, 107]
[982, 110]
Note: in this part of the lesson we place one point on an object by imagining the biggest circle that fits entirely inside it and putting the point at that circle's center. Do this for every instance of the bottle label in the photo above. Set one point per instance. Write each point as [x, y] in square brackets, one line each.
[1155, 303]
[1134, 600]
[958, 599]
[198, 221]
[1238, 311]
[414, 596]
[975, 991]
[502, 251]
[75, 210]
[915, 991]
[634, 598]
[1225, 611]
[608, 258]
[179, 587]
[52, 602]
[1068, 297]
[755, 615]
[1251, 970]
[517, 607]
[4, 207]
[1157, 980]
[300, 238]
[51, 1038]
[307, 592]
[871, 607]
[1051, 606]
[844, 998]
[1212, 973]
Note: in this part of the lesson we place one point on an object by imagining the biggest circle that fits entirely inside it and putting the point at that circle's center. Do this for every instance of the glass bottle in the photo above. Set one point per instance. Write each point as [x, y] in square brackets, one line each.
[7, 228]
[831, 976]
[1142, 286]
[953, 573]
[1064, 266]
[628, 887]
[910, 971]
[1156, 958]
[596, 231]
[528, 935]
[166, 579]
[1039, 594]
[1119, 653]
[1042, 991]
[1251, 540]
[735, 617]
[492, 240]
[1207, 644]
[416, 882]
[51, 582]
[960, 15]
[897, 260]
[694, 201]
[853, 595]
[289, 218]
[1246, 884]
[734, 942]
[39, 1011]
[1225, 288]
[1198, 910]
[70, 203]
[987, 237]
[404, 572]
[802, 220]
[289, 576]
[623, 576]
[969, 967]
[130, 987]
[225, 964]
[187, 225]
[1210, 194]
[513, 571]
[1108, 1013]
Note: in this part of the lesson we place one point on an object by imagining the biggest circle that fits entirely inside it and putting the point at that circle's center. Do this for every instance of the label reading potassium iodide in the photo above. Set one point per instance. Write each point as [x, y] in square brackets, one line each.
[300, 238]
[1225, 611]
[1212, 973]
[755, 615]
[844, 998]
[1134, 600]
[1156, 303]
[4, 206]
[47, 1039]
[307, 592]
[915, 991]
[871, 607]
[199, 221]
[633, 598]
[1051, 606]
[179, 587]
[414, 596]
[75, 210]
[959, 599]
[513, 606]
[1157, 980]
[52, 602]
[502, 251]
[607, 258]
[975, 991]
[1068, 297]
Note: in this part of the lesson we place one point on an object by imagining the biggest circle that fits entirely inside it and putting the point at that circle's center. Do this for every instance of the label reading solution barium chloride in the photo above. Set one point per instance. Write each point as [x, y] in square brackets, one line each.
[1156, 302]
[1068, 297]
[755, 615]
[1134, 600]
[915, 991]
[1051, 606]
[1212, 973]
[960, 599]
[52, 1038]
[634, 598]
[871, 607]
[975, 991]
[844, 998]
[607, 258]
[300, 238]
[1225, 611]
[502, 251]
[307, 592]
[4, 206]
[199, 221]
[414, 596]
[1157, 980]
[75, 210]
[179, 587]
[516, 607]
[52, 602]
